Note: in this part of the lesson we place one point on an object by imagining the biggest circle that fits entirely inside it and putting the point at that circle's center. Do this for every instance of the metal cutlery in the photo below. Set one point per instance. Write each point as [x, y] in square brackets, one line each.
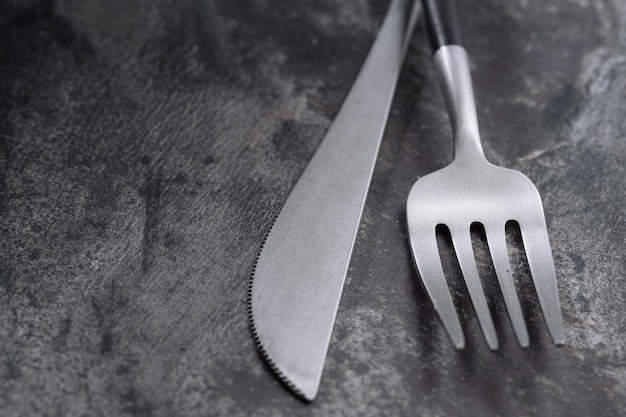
[299, 275]
[471, 190]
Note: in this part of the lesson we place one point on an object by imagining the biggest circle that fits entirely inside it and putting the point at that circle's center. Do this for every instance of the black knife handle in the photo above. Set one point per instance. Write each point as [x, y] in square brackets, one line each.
[442, 23]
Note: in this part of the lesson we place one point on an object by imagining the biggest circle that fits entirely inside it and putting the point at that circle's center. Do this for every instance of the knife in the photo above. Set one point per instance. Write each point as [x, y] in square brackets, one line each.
[298, 277]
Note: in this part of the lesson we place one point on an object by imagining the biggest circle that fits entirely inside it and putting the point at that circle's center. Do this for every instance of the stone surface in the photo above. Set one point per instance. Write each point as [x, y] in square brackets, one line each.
[146, 145]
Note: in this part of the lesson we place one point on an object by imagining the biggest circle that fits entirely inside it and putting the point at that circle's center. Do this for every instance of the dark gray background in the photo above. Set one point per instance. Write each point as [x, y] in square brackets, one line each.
[146, 146]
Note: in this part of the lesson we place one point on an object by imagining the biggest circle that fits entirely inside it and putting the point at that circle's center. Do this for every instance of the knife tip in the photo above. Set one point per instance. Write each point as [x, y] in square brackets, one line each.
[305, 392]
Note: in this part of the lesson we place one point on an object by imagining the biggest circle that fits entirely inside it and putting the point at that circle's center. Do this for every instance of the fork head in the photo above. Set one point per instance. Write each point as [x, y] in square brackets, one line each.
[472, 190]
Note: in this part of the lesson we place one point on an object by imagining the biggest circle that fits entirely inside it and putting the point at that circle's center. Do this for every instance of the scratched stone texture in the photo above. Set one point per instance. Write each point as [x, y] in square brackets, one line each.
[146, 146]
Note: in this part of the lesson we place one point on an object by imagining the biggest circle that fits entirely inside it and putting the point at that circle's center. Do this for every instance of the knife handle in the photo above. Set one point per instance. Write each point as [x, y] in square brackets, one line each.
[442, 23]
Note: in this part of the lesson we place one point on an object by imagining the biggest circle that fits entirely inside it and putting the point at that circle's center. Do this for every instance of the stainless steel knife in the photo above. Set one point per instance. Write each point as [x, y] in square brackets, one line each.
[298, 279]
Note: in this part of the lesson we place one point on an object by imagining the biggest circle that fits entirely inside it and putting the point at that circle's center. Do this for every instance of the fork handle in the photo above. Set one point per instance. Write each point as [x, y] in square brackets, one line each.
[442, 23]
[452, 68]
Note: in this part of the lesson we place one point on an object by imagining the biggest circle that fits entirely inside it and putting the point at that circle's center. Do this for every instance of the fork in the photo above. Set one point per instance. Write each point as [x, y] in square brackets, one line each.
[471, 191]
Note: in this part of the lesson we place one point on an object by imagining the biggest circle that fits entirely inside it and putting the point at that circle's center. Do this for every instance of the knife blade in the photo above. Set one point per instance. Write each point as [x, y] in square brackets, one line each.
[299, 275]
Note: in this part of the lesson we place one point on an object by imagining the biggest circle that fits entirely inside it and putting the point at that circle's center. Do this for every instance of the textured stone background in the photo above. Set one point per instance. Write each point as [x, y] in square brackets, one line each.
[146, 145]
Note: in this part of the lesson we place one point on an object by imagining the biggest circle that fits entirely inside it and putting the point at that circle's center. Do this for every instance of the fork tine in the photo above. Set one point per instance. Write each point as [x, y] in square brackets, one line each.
[465, 254]
[425, 252]
[539, 255]
[496, 239]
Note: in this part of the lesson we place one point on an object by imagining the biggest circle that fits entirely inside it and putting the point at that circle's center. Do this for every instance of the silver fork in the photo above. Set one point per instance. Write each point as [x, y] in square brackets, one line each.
[471, 190]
